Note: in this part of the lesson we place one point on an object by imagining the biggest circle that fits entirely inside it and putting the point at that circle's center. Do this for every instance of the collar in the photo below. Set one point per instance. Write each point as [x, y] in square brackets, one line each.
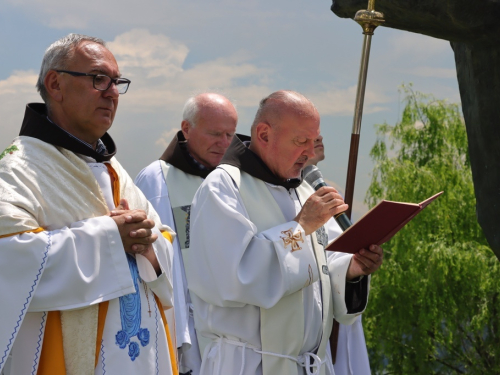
[99, 148]
[178, 156]
[241, 157]
[37, 125]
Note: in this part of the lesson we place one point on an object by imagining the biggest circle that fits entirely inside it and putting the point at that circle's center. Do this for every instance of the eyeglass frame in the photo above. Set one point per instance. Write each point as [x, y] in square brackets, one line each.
[112, 80]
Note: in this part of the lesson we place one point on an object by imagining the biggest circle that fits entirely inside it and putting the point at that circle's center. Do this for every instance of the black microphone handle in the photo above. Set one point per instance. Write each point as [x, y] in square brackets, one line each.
[342, 219]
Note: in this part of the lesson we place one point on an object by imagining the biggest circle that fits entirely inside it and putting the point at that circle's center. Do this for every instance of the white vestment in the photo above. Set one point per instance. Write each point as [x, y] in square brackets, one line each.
[236, 272]
[73, 261]
[152, 181]
[352, 357]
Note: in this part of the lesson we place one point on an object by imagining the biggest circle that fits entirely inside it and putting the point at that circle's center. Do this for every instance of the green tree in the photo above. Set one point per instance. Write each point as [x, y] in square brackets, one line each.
[434, 304]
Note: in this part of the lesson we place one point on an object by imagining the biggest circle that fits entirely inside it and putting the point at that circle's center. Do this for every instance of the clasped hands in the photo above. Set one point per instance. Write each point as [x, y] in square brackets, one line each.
[318, 209]
[135, 231]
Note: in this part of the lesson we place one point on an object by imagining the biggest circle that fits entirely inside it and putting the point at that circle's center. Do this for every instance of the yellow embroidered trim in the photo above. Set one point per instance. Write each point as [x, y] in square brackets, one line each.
[171, 350]
[52, 357]
[101, 320]
[115, 183]
[167, 235]
[37, 230]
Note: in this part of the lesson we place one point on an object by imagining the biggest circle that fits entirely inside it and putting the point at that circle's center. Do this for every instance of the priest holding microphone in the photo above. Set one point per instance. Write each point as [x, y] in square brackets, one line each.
[265, 292]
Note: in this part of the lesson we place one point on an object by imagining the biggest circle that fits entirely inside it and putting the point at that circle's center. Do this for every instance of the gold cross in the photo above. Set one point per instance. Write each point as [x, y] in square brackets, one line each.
[292, 239]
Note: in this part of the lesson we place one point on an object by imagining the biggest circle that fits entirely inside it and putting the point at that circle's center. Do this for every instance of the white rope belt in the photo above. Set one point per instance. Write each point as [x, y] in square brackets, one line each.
[307, 360]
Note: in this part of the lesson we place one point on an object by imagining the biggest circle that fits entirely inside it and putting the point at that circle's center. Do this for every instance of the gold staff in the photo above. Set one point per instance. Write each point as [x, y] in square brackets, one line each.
[369, 19]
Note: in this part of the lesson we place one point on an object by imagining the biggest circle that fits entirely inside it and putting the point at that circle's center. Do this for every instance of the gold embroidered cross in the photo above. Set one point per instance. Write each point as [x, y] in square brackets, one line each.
[310, 279]
[292, 239]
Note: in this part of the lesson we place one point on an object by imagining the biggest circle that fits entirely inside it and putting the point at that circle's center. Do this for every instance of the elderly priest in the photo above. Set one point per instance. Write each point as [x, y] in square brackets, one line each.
[264, 290]
[85, 264]
[207, 128]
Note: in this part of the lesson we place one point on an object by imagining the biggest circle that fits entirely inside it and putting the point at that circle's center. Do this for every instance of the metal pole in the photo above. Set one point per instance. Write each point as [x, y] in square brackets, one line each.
[356, 125]
[369, 19]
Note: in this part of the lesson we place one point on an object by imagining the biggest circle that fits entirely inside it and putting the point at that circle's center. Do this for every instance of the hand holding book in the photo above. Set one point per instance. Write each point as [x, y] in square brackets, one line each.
[378, 225]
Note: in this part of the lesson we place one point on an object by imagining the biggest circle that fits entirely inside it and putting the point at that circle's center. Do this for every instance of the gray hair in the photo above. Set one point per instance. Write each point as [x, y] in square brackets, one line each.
[204, 100]
[190, 111]
[58, 55]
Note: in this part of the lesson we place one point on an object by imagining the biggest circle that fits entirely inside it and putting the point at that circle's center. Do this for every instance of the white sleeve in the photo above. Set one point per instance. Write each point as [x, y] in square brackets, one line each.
[229, 263]
[338, 264]
[86, 264]
[161, 285]
[62, 269]
[67, 269]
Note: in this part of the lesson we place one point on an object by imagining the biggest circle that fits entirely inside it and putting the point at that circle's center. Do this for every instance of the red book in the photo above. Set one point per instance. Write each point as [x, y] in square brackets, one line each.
[378, 225]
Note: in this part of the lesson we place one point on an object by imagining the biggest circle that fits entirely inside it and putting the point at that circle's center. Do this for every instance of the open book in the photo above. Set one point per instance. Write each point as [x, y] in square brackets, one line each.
[378, 225]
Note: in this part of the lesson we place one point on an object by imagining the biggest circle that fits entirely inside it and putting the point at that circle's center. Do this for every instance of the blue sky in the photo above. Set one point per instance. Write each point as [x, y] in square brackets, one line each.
[245, 50]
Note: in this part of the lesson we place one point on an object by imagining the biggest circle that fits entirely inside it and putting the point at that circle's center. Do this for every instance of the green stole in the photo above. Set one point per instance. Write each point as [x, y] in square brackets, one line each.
[282, 326]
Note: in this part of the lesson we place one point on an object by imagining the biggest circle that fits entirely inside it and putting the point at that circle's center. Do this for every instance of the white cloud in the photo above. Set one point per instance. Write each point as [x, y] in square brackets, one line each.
[15, 91]
[339, 101]
[20, 82]
[157, 55]
[155, 64]
[166, 137]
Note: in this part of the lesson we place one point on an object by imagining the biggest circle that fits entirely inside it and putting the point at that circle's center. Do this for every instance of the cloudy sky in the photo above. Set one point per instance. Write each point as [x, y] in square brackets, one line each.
[245, 50]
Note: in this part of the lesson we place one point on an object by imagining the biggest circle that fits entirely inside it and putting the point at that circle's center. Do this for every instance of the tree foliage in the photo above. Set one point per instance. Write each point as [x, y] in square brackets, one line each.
[434, 304]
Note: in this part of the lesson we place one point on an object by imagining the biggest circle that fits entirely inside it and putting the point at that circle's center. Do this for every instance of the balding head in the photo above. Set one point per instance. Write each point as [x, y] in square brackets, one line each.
[209, 123]
[273, 107]
[283, 132]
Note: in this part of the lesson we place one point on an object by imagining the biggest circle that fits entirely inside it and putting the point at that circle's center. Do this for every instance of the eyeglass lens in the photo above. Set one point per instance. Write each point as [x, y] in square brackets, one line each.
[103, 82]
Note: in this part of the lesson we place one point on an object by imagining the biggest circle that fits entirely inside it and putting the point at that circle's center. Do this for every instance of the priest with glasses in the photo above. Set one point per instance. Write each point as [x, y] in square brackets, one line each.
[85, 263]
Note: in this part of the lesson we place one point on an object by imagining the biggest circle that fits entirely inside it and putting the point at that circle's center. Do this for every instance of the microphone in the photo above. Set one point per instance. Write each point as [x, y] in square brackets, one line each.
[313, 177]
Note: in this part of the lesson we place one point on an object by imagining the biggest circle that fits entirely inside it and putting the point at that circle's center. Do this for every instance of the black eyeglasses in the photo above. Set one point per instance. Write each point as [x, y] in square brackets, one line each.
[102, 82]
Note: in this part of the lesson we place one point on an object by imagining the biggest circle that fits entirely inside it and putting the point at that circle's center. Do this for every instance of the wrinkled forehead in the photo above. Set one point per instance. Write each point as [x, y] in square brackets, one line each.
[300, 124]
[95, 57]
[217, 115]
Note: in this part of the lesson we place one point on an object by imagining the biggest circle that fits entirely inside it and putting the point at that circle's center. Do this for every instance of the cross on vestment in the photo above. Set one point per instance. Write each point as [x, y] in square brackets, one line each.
[292, 239]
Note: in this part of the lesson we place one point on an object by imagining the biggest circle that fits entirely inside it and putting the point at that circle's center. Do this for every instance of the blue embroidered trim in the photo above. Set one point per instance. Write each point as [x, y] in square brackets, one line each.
[40, 334]
[28, 299]
[156, 342]
[133, 350]
[130, 315]
[103, 363]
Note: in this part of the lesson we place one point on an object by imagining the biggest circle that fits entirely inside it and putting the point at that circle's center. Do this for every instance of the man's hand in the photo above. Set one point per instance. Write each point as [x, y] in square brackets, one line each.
[365, 262]
[134, 227]
[135, 231]
[319, 208]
